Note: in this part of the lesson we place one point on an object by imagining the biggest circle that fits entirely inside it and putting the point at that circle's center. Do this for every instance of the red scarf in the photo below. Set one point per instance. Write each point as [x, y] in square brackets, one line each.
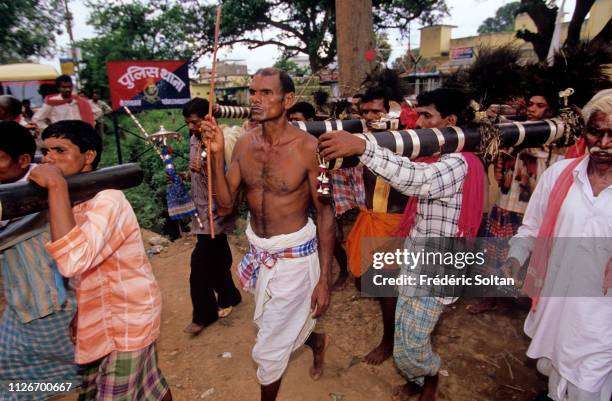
[538, 265]
[577, 150]
[82, 103]
[472, 204]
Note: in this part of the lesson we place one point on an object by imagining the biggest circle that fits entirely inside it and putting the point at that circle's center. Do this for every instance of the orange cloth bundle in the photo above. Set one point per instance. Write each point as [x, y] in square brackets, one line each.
[368, 224]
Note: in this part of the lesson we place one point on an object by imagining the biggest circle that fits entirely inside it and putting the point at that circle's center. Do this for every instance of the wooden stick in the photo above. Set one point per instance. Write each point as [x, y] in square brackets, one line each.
[513, 387]
[509, 367]
[515, 358]
[144, 131]
[211, 101]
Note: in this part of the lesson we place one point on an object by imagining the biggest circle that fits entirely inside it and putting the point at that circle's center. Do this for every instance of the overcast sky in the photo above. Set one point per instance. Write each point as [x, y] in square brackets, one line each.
[467, 15]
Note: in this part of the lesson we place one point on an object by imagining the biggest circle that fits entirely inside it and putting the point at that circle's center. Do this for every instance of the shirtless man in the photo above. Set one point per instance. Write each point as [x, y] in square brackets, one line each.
[277, 166]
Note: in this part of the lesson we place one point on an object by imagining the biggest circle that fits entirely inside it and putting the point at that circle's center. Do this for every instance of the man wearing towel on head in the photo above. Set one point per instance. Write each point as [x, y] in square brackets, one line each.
[277, 165]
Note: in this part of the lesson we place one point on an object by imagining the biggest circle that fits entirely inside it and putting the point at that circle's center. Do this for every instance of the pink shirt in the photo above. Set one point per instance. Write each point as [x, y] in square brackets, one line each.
[118, 298]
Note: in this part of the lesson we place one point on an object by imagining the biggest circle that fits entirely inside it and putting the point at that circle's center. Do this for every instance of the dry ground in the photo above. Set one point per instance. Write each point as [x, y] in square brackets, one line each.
[483, 357]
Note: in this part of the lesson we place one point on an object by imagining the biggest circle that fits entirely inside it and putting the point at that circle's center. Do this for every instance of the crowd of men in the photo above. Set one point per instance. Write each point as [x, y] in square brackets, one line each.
[82, 269]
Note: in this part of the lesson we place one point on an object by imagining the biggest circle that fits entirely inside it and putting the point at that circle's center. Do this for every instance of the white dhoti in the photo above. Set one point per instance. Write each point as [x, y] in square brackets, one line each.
[282, 301]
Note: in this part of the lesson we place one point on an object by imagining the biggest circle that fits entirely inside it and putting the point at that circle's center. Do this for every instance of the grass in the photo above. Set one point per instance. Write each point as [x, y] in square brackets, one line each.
[149, 198]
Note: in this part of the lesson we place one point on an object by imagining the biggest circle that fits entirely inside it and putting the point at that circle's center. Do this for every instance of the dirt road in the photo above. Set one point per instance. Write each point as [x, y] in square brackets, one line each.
[483, 357]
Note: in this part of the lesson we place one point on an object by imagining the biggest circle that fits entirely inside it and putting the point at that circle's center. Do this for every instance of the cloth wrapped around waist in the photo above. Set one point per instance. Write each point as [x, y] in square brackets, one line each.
[267, 251]
[296, 250]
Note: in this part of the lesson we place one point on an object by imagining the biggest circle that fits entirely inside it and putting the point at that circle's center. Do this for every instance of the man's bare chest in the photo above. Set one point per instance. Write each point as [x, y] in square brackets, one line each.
[276, 172]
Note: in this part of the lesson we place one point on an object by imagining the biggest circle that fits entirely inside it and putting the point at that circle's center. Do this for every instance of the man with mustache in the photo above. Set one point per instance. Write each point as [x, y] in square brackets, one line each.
[65, 105]
[567, 229]
[276, 164]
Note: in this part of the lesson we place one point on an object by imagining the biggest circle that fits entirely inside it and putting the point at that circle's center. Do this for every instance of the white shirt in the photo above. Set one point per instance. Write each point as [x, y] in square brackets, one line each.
[48, 114]
[572, 324]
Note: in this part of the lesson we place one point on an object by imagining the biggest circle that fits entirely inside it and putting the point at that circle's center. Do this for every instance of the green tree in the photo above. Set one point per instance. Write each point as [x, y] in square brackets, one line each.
[28, 28]
[300, 26]
[503, 20]
[544, 15]
[286, 64]
[412, 62]
[133, 31]
[383, 47]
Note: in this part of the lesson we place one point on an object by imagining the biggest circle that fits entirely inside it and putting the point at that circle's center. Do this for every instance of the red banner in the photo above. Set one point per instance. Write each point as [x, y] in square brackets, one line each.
[148, 84]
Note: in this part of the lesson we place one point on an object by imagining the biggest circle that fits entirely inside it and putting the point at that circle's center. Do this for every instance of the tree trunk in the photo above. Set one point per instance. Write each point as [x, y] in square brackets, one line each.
[544, 19]
[355, 36]
[580, 13]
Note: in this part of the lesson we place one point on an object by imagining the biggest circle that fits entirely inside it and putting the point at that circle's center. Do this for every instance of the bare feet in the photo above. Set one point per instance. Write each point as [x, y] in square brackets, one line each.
[319, 345]
[404, 392]
[429, 388]
[193, 329]
[340, 282]
[379, 354]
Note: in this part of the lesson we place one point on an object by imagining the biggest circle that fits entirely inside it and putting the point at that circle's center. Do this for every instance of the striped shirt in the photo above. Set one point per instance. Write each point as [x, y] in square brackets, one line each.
[438, 186]
[118, 298]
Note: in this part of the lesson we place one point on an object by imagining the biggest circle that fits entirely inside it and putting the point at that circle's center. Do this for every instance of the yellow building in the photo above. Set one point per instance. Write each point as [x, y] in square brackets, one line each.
[231, 83]
[199, 90]
[448, 54]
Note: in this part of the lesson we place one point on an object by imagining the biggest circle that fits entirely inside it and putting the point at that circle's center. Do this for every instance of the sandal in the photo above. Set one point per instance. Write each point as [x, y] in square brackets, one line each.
[225, 312]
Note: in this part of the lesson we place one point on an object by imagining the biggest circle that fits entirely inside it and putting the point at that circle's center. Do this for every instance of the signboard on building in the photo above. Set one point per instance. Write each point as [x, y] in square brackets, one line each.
[67, 66]
[148, 84]
[460, 53]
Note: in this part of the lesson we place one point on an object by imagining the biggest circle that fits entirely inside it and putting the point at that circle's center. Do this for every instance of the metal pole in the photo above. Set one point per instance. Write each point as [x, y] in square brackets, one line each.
[117, 137]
[72, 48]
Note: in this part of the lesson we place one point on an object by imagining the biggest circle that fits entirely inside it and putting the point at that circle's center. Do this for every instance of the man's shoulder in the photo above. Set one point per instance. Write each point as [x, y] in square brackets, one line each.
[556, 168]
[455, 158]
[246, 138]
[306, 140]
[309, 140]
[114, 196]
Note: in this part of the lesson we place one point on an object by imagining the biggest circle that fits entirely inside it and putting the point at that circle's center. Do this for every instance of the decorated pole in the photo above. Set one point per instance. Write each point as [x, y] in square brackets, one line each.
[486, 140]
[317, 128]
[239, 112]
[178, 200]
[17, 200]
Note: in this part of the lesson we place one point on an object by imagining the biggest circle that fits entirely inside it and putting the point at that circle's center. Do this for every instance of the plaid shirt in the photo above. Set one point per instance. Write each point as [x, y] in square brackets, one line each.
[348, 189]
[438, 186]
[248, 271]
